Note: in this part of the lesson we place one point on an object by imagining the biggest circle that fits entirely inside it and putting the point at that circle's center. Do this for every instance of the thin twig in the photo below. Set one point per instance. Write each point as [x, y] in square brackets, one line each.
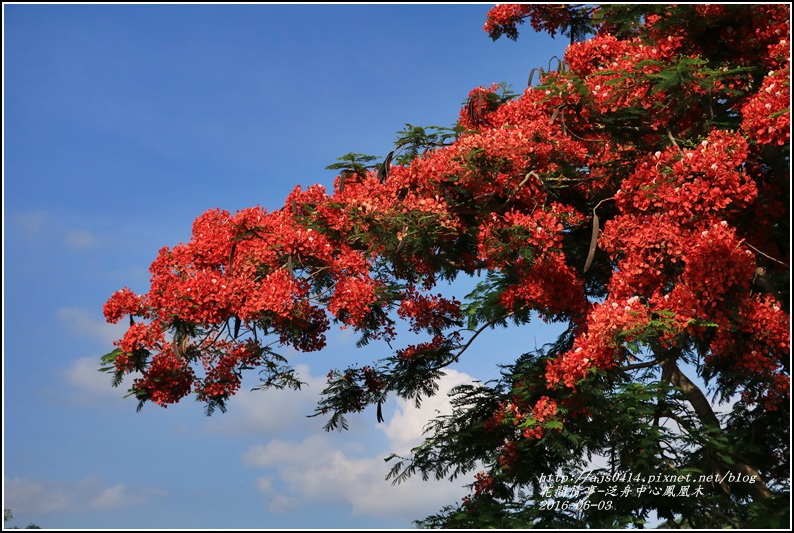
[530, 174]
[647, 364]
[767, 256]
[568, 131]
[672, 140]
[602, 201]
[476, 333]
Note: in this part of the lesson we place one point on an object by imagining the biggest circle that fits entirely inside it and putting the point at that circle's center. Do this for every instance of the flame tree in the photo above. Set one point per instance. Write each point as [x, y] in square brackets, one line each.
[638, 193]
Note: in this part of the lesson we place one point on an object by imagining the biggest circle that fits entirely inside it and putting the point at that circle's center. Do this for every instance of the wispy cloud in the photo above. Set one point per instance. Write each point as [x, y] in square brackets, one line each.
[82, 323]
[30, 223]
[273, 412]
[78, 239]
[317, 470]
[27, 496]
[277, 502]
[89, 384]
[38, 227]
[112, 497]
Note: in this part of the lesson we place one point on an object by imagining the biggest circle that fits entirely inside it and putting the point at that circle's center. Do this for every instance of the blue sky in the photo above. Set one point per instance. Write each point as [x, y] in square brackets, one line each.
[122, 123]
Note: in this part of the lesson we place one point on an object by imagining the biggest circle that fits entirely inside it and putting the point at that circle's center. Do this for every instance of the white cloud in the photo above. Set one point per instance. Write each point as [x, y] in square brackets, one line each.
[405, 428]
[83, 373]
[30, 223]
[277, 413]
[272, 412]
[282, 504]
[90, 384]
[318, 470]
[77, 239]
[279, 503]
[112, 497]
[37, 225]
[265, 484]
[80, 322]
[315, 470]
[27, 496]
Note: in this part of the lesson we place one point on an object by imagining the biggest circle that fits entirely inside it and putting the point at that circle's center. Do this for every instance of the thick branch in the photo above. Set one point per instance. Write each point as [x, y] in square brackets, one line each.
[695, 396]
[706, 415]
[759, 488]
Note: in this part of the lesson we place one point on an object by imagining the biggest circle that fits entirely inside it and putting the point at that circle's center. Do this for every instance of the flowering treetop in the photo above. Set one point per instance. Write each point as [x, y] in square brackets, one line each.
[638, 194]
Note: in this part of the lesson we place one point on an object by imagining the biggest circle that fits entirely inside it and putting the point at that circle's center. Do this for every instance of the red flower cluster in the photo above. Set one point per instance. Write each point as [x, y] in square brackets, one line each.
[414, 352]
[123, 302]
[483, 483]
[624, 74]
[142, 336]
[683, 202]
[504, 18]
[767, 115]
[167, 379]
[609, 325]
[544, 409]
[507, 15]
[223, 368]
[717, 271]
[431, 313]
[691, 185]
[757, 347]
[352, 298]
[529, 418]
[508, 454]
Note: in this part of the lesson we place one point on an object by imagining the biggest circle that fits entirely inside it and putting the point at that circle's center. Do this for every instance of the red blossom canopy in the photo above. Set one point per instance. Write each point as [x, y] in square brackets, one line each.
[667, 141]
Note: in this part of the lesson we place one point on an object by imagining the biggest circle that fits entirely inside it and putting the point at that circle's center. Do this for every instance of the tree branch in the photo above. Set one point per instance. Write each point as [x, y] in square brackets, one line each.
[756, 250]
[706, 415]
[647, 364]
[476, 333]
[695, 396]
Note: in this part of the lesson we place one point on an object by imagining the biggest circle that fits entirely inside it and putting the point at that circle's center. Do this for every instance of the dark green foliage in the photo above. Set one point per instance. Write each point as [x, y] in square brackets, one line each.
[643, 430]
